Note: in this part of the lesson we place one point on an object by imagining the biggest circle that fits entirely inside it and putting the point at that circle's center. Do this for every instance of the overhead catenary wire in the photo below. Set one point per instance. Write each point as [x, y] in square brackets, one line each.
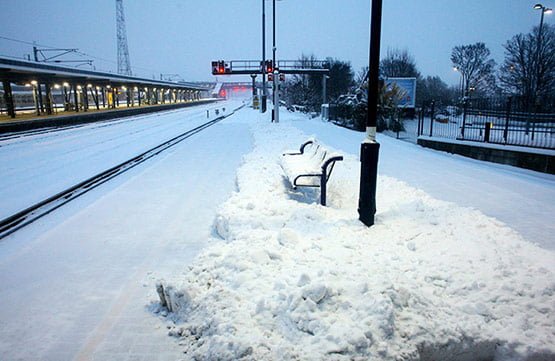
[75, 52]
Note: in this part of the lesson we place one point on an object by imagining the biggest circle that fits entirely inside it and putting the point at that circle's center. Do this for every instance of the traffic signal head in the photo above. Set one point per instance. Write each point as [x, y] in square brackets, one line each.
[218, 67]
[269, 66]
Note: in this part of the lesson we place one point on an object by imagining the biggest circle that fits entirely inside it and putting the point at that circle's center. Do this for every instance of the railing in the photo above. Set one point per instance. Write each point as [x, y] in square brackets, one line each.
[508, 121]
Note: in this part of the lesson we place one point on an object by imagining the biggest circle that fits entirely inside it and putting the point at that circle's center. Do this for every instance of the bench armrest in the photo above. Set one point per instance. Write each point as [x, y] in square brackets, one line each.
[331, 161]
[301, 150]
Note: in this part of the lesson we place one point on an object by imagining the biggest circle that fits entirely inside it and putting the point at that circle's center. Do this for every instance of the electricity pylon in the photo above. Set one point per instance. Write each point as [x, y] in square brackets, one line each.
[124, 65]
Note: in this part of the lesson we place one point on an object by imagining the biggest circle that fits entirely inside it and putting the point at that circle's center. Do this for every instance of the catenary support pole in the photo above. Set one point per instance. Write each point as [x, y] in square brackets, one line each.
[369, 149]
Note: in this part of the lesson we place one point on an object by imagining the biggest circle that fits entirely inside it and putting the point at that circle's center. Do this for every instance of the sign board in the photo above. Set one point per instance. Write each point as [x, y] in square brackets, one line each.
[408, 86]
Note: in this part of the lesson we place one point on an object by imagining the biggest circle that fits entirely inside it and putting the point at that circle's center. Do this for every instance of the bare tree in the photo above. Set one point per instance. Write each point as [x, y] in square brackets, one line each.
[529, 69]
[476, 69]
[398, 63]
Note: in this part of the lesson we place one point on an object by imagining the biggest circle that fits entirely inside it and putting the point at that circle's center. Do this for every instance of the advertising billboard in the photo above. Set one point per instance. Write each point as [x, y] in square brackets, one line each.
[408, 87]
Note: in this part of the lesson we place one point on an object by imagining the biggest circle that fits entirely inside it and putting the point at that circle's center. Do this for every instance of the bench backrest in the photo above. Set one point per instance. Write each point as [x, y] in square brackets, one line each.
[315, 153]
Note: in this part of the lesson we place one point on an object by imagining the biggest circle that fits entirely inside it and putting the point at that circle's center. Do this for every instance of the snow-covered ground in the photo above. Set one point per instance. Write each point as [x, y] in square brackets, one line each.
[523, 199]
[278, 276]
[76, 284]
[36, 167]
[293, 280]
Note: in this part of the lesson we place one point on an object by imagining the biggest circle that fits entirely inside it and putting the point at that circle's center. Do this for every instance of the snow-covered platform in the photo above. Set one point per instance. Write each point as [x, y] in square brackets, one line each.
[293, 280]
[264, 272]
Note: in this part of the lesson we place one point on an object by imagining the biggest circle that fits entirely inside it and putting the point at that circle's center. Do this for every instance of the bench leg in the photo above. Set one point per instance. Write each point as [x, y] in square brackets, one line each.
[323, 190]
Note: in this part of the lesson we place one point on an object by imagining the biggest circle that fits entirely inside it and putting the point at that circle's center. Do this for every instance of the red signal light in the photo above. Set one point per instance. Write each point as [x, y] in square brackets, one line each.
[269, 66]
[218, 67]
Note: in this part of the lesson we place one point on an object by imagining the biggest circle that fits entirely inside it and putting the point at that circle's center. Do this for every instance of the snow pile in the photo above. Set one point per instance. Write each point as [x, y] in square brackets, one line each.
[295, 280]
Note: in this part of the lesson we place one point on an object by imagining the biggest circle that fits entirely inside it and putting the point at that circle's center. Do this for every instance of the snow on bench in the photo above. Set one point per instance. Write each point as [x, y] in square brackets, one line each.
[311, 166]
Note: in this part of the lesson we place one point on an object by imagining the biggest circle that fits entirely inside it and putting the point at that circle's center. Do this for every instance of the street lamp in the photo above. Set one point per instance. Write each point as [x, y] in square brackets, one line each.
[324, 88]
[544, 10]
[275, 87]
[461, 81]
[263, 62]
[369, 149]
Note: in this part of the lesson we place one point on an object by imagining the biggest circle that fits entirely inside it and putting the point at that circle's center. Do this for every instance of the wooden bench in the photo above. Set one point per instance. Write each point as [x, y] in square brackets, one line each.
[311, 166]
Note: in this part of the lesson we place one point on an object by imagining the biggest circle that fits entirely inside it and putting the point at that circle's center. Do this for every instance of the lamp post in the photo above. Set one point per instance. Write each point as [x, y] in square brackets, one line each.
[544, 10]
[324, 88]
[275, 87]
[263, 63]
[369, 149]
[461, 81]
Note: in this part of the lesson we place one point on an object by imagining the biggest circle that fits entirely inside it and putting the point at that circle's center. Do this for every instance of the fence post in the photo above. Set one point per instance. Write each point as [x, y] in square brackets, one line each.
[507, 116]
[423, 112]
[535, 117]
[418, 133]
[487, 131]
[432, 111]
[465, 106]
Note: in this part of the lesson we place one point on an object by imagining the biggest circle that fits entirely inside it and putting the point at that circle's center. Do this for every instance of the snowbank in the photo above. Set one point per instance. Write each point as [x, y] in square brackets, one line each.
[295, 280]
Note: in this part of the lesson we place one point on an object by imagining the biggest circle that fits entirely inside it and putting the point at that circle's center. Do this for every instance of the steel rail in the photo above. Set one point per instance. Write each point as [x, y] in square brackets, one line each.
[27, 216]
[97, 124]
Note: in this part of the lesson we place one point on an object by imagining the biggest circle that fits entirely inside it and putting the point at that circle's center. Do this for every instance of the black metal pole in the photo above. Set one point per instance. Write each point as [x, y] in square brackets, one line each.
[369, 149]
[264, 91]
[253, 77]
[8, 98]
[75, 97]
[274, 89]
[538, 52]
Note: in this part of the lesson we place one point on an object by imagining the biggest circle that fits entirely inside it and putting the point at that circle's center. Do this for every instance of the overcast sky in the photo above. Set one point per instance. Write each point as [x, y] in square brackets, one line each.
[183, 36]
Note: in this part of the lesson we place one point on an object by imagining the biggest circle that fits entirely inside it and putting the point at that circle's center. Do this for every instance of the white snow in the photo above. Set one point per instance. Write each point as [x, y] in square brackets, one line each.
[38, 166]
[295, 280]
[284, 278]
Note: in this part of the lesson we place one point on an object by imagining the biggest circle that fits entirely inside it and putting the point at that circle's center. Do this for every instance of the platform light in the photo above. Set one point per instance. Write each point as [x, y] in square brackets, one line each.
[79, 87]
[65, 84]
[123, 88]
[97, 87]
[56, 86]
[108, 86]
[34, 82]
[136, 89]
[146, 89]
[27, 84]
[89, 85]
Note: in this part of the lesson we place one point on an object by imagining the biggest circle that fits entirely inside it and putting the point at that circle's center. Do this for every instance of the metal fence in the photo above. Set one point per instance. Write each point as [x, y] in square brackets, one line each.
[509, 121]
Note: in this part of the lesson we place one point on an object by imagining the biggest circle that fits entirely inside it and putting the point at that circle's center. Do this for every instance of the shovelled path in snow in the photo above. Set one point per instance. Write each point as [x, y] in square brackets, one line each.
[522, 199]
[76, 284]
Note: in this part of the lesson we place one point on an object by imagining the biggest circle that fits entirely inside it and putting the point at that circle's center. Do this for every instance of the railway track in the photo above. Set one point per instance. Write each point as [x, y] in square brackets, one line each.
[25, 217]
[98, 124]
